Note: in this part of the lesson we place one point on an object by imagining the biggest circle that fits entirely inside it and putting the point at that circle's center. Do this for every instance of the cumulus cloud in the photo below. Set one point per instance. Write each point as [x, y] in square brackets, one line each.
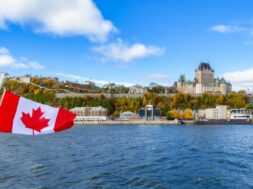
[98, 82]
[7, 60]
[121, 51]
[240, 79]
[59, 17]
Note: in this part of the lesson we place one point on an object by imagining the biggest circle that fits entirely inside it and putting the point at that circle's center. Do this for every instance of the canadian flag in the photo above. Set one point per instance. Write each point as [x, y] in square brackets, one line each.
[19, 115]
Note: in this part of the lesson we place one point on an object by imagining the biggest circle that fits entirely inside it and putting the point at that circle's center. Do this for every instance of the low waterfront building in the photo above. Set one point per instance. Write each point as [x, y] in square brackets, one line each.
[85, 114]
[137, 89]
[128, 115]
[150, 113]
[241, 114]
[211, 113]
[199, 114]
[218, 113]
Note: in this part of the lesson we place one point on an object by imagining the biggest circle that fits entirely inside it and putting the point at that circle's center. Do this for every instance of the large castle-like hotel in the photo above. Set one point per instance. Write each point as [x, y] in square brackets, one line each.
[204, 82]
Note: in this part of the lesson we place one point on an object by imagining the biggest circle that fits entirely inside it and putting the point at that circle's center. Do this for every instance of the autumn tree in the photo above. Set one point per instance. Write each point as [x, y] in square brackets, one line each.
[188, 114]
[170, 116]
[176, 114]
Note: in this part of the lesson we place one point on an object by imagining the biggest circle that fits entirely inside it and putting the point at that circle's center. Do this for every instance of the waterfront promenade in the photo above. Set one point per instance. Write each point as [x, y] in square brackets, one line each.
[166, 122]
[133, 122]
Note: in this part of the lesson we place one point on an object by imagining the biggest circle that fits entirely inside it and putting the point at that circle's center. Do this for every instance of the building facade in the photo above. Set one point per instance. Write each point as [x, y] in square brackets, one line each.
[25, 79]
[218, 113]
[128, 115]
[137, 89]
[150, 113]
[204, 74]
[204, 82]
[85, 114]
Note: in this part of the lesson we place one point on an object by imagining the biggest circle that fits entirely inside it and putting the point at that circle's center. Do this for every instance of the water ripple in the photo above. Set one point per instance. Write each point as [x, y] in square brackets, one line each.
[130, 157]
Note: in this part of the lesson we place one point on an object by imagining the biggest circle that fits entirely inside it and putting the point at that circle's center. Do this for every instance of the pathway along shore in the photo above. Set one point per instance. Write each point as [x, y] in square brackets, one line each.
[133, 122]
[166, 122]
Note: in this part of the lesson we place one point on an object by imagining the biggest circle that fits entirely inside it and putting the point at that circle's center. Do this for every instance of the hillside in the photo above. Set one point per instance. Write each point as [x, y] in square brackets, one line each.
[46, 94]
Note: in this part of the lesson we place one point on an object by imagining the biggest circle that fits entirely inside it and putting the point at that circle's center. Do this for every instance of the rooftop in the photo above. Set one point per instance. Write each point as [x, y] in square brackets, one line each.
[204, 66]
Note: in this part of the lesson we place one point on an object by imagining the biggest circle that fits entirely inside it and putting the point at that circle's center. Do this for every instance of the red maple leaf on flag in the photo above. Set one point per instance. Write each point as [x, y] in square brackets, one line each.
[35, 122]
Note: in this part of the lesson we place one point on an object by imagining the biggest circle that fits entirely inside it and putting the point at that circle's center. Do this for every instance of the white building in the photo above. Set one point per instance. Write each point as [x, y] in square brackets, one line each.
[128, 115]
[85, 114]
[137, 89]
[220, 112]
[25, 79]
[211, 113]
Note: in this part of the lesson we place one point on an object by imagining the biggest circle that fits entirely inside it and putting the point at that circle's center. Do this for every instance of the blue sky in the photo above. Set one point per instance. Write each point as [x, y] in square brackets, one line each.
[127, 41]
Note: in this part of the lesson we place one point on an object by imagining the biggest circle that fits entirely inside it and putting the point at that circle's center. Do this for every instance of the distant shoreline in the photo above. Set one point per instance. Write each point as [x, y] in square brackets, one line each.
[165, 122]
[133, 122]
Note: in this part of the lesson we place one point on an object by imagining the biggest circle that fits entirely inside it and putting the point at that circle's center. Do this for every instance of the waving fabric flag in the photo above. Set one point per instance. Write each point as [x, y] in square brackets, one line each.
[19, 115]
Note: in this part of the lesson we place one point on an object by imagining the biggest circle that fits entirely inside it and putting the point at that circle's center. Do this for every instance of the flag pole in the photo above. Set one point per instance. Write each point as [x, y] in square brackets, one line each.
[3, 76]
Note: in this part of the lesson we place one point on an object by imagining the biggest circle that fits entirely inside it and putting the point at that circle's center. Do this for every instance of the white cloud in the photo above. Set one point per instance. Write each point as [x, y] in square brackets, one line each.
[158, 77]
[83, 79]
[59, 17]
[221, 28]
[121, 51]
[240, 79]
[231, 29]
[7, 60]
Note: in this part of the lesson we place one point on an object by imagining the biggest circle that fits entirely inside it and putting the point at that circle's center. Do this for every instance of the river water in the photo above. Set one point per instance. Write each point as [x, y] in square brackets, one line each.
[130, 157]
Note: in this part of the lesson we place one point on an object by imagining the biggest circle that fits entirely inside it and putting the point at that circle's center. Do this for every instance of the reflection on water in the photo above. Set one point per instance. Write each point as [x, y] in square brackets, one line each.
[130, 157]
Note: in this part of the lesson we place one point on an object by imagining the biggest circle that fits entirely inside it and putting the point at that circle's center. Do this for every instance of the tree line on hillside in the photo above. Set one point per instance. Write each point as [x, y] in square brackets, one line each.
[169, 106]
